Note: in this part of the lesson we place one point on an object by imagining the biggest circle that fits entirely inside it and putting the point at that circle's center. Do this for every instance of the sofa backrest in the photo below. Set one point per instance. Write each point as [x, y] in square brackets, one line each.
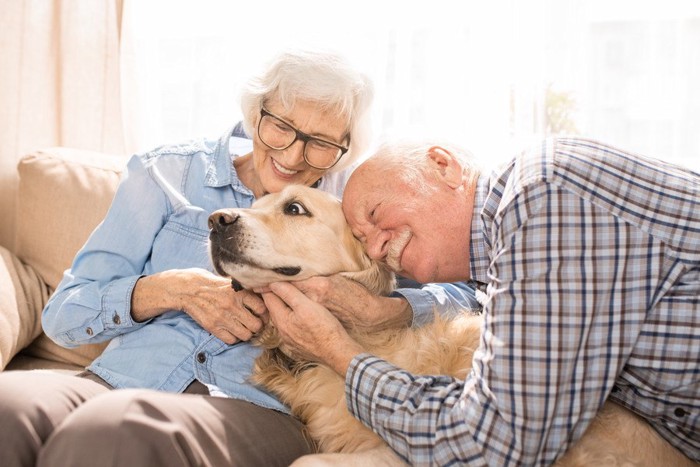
[63, 195]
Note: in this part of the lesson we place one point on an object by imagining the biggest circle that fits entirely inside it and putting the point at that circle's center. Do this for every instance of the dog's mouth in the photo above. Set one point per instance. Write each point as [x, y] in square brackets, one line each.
[231, 261]
[288, 270]
[235, 285]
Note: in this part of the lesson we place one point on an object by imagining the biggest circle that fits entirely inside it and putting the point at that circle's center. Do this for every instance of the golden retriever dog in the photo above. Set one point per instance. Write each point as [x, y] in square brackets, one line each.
[301, 232]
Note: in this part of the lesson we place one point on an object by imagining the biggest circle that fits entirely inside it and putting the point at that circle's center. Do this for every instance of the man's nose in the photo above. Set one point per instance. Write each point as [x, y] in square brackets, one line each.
[377, 244]
[221, 219]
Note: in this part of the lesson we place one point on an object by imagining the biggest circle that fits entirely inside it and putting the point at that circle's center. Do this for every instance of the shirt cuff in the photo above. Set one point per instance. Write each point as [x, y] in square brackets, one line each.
[116, 304]
[362, 383]
[422, 303]
[446, 299]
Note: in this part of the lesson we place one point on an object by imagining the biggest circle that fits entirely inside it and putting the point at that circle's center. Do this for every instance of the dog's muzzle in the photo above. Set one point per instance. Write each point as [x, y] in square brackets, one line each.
[227, 233]
[223, 229]
[221, 220]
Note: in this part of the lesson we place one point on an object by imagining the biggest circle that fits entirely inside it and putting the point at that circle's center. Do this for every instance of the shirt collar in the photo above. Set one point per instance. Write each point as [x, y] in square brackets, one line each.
[220, 171]
[478, 252]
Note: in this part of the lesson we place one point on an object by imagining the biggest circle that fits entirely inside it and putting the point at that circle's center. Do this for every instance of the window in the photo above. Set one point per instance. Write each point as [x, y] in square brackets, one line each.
[491, 76]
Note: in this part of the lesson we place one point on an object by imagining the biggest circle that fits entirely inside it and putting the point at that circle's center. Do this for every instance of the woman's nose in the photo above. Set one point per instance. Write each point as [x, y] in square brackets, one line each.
[294, 154]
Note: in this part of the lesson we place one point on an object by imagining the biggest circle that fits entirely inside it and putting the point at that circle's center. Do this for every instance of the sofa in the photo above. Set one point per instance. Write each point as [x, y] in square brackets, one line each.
[62, 196]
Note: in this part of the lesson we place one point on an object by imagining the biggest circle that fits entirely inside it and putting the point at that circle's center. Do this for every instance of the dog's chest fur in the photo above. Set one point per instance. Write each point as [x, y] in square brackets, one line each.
[316, 394]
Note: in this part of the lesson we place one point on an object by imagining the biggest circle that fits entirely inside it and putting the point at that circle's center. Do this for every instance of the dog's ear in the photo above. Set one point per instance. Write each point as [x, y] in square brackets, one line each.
[376, 277]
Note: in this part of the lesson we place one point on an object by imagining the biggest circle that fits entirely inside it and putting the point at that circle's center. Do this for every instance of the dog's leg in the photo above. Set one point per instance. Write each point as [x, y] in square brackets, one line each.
[378, 457]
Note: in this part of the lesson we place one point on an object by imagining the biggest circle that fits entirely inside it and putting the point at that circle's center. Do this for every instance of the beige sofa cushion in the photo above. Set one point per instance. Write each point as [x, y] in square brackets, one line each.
[22, 296]
[63, 195]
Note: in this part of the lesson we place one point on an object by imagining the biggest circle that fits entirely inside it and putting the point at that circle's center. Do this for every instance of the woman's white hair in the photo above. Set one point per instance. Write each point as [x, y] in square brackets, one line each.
[325, 78]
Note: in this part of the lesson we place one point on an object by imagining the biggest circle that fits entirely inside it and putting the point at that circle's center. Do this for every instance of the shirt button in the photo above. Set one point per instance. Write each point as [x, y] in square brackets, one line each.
[201, 357]
[116, 319]
[89, 331]
[679, 412]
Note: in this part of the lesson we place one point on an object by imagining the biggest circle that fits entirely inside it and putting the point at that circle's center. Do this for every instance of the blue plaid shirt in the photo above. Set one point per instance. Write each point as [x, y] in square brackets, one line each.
[592, 260]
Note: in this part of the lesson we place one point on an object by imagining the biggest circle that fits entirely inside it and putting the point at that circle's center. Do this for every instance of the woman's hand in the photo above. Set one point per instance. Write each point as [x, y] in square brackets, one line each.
[209, 299]
[308, 329]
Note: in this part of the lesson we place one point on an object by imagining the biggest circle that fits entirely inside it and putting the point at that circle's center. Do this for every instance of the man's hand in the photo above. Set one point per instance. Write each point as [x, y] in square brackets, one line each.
[354, 305]
[209, 299]
[308, 329]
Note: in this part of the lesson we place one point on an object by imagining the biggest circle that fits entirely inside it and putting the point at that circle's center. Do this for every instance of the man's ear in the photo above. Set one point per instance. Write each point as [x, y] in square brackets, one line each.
[447, 167]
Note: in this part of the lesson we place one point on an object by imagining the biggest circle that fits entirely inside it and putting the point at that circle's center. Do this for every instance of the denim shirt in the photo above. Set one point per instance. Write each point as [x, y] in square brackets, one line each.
[157, 222]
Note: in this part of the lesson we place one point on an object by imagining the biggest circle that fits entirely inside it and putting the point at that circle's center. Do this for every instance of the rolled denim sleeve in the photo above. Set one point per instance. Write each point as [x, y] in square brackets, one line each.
[93, 301]
[447, 299]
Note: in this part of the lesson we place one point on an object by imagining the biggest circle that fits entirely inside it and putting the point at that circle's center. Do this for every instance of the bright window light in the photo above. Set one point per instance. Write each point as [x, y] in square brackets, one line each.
[491, 76]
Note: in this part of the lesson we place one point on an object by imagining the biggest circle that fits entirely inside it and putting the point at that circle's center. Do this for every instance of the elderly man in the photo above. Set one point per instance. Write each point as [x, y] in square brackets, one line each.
[591, 257]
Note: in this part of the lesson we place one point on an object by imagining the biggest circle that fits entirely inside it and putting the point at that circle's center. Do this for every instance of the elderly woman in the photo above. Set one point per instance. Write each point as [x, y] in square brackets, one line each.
[143, 281]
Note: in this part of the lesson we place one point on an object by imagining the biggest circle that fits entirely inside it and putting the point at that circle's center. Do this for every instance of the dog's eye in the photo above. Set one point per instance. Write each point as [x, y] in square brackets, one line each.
[295, 209]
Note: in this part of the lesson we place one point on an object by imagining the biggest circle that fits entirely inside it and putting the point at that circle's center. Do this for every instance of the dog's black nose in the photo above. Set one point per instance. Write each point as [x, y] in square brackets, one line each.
[221, 219]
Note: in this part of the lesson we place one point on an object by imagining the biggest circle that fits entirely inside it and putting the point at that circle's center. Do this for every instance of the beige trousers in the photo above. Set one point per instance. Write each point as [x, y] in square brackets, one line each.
[50, 419]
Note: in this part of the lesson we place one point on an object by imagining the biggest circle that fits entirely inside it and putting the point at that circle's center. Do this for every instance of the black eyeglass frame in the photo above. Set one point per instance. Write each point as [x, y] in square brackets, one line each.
[299, 135]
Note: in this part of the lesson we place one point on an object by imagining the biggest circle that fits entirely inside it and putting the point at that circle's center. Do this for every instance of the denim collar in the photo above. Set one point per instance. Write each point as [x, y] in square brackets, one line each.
[220, 171]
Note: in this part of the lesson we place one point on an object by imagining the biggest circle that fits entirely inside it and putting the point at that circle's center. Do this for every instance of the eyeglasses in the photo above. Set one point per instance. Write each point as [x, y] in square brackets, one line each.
[277, 134]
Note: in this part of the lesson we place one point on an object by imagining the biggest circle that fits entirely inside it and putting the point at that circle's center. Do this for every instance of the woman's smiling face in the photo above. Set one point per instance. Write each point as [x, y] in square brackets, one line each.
[276, 169]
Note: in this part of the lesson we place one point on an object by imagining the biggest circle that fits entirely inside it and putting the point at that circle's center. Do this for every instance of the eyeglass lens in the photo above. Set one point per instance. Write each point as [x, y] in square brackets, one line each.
[279, 135]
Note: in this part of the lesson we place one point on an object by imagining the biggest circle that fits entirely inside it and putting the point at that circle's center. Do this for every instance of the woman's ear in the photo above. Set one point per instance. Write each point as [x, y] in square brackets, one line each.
[447, 167]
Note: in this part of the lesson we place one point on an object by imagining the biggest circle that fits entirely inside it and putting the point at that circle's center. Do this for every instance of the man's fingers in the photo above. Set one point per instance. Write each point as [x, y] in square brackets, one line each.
[275, 305]
[286, 291]
[316, 288]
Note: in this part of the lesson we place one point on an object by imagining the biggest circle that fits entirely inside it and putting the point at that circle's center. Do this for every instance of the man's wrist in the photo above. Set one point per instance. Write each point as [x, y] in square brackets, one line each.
[341, 358]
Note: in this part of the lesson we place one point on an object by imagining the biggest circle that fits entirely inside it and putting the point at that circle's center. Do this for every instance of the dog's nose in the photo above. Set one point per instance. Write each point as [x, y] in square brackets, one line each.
[221, 219]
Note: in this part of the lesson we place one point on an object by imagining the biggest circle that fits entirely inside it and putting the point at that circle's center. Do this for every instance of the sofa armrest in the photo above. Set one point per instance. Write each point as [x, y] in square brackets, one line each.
[63, 195]
[22, 297]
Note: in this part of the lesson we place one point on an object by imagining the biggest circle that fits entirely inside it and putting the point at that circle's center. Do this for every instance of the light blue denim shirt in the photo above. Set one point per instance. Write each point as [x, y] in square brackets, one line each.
[157, 222]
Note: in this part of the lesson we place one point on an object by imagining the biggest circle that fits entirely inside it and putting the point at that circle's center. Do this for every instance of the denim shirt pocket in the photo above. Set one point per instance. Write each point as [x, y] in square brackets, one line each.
[182, 242]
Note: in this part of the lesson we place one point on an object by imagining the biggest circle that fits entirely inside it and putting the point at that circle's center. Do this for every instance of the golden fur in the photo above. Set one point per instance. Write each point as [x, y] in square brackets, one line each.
[316, 394]
[295, 234]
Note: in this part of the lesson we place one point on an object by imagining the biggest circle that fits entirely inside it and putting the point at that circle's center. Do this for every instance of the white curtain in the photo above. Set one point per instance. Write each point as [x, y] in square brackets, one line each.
[493, 76]
[59, 86]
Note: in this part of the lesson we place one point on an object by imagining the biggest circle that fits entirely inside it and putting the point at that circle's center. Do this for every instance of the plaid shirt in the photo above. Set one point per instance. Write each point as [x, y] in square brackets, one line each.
[591, 258]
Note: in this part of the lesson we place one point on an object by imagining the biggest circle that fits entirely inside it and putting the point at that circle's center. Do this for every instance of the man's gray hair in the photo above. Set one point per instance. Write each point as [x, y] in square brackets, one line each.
[408, 161]
[321, 77]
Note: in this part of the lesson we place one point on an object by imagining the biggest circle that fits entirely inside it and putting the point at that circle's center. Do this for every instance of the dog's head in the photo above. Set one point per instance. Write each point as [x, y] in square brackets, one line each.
[295, 234]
